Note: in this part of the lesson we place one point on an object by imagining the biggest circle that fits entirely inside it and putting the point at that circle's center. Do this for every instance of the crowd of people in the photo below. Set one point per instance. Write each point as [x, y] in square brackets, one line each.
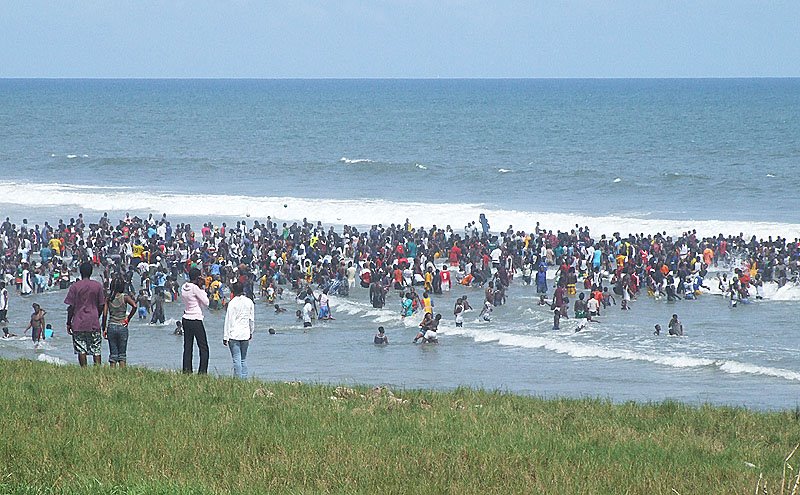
[145, 262]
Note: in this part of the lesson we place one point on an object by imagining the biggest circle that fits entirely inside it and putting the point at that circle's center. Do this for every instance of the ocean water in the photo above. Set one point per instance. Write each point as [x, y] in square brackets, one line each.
[616, 155]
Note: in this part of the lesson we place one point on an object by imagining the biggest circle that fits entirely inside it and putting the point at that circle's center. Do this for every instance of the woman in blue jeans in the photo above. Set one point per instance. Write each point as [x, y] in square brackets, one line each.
[115, 322]
[239, 325]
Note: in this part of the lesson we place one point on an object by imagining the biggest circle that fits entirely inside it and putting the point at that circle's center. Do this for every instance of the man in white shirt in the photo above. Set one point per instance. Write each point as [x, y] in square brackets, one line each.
[240, 321]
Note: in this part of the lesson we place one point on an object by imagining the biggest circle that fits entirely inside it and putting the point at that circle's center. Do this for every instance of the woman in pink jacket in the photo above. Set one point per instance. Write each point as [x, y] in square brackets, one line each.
[194, 298]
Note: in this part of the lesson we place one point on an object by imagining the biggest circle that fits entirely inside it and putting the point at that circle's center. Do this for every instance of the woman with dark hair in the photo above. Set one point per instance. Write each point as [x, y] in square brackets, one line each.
[194, 299]
[115, 322]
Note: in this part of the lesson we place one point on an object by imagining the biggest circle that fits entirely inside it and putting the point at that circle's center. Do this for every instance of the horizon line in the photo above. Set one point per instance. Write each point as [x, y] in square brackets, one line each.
[433, 78]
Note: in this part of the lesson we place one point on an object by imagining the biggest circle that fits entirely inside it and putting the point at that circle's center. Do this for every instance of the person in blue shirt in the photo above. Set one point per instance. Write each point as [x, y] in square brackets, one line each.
[541, 280]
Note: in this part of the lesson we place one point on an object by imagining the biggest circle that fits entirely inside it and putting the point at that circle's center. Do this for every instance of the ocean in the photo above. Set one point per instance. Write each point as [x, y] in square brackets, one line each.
[715, 155]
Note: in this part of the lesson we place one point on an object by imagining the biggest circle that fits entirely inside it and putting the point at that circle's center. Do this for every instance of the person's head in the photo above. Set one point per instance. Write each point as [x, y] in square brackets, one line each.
[674, 317]
[118, 285]
[86, 269]
[179, 324]
[271, 331]
[237, 289]
[194, 274]
[581, 296]
[277, 307]
[35, 307]
[380, 330]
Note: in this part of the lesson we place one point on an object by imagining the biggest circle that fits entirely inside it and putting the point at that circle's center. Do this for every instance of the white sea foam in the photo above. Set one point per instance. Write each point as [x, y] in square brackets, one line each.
[349, 161]
[355, 211]
[581, 350]
[789, 292]
[504, 170]
[46, 358]
[617, 180]
[72, 156]
[736, 367]
[421, 166]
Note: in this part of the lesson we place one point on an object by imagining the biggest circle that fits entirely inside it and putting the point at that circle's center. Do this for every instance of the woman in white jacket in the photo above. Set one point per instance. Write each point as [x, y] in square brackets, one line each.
[239, 324]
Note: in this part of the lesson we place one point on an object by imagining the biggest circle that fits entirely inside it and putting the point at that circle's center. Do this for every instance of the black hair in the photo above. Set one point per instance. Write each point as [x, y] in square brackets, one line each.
[86, 269]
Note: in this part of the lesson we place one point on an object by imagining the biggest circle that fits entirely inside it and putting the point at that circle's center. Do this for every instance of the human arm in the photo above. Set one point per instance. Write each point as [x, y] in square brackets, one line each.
[104, 323]
[252, 318]
[227, 326]
[132, 303]
[70, 315]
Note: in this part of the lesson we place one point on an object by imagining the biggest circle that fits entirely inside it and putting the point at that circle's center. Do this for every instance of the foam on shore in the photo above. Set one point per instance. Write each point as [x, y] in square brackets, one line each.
[360, 212]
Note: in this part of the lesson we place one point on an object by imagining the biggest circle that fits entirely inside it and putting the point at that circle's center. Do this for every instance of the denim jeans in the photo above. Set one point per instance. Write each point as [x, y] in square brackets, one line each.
[239, 354]
[117, 343]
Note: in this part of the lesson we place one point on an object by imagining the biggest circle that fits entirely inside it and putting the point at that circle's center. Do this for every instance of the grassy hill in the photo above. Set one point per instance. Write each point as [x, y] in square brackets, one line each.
[71, 430]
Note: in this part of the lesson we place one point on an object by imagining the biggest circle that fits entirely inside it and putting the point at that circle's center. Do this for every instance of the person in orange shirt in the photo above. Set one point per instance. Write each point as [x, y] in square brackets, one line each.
[708, 255]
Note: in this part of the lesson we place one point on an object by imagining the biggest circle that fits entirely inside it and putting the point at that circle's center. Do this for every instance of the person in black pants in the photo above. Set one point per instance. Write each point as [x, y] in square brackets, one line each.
[194, 299]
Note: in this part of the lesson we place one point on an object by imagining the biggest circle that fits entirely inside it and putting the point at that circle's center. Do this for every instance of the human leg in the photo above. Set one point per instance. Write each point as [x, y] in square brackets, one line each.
[188, 345]
[202, 345]
[238, 350]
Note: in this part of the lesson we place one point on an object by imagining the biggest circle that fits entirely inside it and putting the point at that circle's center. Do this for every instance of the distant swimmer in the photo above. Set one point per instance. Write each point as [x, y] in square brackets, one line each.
[279, 309]
[380, 337]
[657, 331]
[675, 326]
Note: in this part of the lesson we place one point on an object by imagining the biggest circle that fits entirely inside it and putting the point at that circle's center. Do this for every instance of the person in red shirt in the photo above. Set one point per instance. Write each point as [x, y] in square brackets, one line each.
[455, 255]
[445, 277]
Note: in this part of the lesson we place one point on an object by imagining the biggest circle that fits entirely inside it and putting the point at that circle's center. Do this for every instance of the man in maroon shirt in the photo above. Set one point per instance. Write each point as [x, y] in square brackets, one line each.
[85, 300]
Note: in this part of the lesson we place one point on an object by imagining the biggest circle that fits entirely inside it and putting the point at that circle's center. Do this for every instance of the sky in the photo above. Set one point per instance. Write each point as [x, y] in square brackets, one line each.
[399, 38]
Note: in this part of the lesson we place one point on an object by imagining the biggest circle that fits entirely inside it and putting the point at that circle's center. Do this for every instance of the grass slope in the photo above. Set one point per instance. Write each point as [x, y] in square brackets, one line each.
[72, 430]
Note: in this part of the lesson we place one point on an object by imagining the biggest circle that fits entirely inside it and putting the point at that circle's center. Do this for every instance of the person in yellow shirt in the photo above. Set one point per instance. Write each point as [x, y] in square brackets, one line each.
[215, 294]
[427, 304]
[55, 245]
[137, 251]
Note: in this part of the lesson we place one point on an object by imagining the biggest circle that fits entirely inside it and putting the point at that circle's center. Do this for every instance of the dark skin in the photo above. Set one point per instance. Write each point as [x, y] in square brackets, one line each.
[37, 322]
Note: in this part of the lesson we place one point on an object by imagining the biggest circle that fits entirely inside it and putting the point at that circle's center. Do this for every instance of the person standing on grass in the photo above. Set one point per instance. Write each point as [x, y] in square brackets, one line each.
[194, 300]
[85, 300]
[115, 322]
[240, 321]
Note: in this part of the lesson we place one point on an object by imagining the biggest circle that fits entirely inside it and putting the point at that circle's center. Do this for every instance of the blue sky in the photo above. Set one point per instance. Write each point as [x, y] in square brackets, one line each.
[411, 38]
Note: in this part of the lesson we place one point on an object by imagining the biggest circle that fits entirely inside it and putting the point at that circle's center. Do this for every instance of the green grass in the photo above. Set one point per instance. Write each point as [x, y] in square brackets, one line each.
[72, 430]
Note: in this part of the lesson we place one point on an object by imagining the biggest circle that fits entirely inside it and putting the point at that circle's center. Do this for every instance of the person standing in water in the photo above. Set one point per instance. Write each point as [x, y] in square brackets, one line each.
[675, 326]
[37, 323]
